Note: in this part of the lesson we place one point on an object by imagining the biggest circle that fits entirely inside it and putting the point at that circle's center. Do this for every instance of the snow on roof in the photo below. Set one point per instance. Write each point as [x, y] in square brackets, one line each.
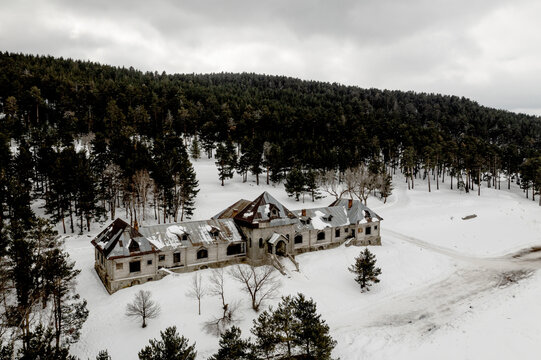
[321, 218]
[275, 237]
[197, 233]
[116, 240]
[262, 210]
[337, 214]
[357, 212]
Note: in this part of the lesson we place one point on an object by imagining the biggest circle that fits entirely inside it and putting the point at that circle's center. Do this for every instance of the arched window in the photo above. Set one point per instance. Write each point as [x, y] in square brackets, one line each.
[321, 235]
[298, 239]
[261, 243]
[202, 254]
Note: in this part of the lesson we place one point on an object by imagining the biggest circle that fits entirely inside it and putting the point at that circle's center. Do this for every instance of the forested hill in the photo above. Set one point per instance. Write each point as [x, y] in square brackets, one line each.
[318, 125]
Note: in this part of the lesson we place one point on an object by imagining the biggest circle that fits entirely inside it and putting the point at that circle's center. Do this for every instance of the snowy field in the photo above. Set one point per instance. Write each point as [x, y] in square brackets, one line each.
[450, 288]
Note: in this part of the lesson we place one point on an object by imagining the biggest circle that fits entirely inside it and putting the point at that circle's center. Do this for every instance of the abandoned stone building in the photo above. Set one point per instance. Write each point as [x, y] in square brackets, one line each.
[255, 232]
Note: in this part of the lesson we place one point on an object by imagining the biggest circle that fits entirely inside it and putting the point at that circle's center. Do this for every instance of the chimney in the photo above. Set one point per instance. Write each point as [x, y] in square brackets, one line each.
[303, 212]
[235, 212]
[350, 203]
[136, 225]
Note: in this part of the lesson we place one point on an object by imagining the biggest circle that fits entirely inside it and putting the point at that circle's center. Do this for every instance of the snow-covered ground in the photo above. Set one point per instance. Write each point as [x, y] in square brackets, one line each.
[449, 288]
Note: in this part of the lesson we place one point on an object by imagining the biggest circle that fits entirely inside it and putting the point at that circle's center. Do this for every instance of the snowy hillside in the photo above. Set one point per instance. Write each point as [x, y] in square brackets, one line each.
[450, 288]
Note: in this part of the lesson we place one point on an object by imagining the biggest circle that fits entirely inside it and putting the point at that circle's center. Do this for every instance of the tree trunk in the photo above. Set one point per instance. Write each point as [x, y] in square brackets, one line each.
[71, 217]
[479, 182]
[428, 177]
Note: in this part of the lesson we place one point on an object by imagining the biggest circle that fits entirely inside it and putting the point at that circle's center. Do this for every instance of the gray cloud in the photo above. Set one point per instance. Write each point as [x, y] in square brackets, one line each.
[485, 50]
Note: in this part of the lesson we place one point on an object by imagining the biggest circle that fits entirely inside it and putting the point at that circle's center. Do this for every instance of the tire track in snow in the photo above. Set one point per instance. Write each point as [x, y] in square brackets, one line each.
[422, 311]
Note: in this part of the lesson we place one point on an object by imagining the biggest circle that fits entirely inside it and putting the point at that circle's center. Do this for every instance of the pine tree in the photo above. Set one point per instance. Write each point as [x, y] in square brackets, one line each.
[195, 150]
[187, 190]
[103, 355]
[266, 334]
[85, 191]
[171, 346]
[232, 347]
[69, 311]
[312, 333]
[295, 183]
[286, 325]
[365, 270]
[226, 161]
[311, 186]
[385, 185]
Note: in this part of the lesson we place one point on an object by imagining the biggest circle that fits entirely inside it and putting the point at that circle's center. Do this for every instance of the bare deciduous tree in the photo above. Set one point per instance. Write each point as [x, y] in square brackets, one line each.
[142, 183]
[228, 316]
[259, 282]
[197, 291]
[217, 325]
[359, 181]
[328, 182]
[143, 306]
[217, 286]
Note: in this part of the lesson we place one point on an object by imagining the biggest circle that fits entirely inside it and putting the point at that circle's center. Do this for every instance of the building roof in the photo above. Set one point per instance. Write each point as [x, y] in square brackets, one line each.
[342, 212]
[275, 237]
[192, 233]
[265, 209]
[119, 239]
[320, 218]
[232, 210]
[357, 211]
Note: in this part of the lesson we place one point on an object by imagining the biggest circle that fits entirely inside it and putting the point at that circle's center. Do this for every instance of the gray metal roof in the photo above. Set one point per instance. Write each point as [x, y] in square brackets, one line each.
[339, 213]
[266, 209]
[320, 218]
[117, 239]
[192, 233]
[357, 211]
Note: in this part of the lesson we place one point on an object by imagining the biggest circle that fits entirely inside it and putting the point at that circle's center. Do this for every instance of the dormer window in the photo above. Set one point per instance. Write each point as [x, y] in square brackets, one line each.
[185, 237]
[134, 246]
[273, 212]
[214, 231]
[328, 217]
[120, 243]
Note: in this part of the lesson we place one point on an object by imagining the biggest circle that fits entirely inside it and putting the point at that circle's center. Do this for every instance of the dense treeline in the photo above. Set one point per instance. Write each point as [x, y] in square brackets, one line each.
[141, 127]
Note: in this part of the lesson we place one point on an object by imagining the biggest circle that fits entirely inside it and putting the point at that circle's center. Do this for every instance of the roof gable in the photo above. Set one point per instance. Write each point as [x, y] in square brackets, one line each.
[265, 208]
[121, 239]
[356, 210]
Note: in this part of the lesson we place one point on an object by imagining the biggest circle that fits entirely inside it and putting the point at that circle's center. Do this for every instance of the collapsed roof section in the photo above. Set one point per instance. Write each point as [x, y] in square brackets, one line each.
[119, 239]
[265, 210]
[233, 210]
[192, 233]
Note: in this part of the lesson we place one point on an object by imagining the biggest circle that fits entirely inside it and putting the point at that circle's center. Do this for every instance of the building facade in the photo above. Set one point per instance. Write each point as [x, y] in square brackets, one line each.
[257, 232]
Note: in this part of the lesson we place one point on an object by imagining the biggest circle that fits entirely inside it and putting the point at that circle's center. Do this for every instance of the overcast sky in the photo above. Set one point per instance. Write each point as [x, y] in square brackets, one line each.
[487, 50]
